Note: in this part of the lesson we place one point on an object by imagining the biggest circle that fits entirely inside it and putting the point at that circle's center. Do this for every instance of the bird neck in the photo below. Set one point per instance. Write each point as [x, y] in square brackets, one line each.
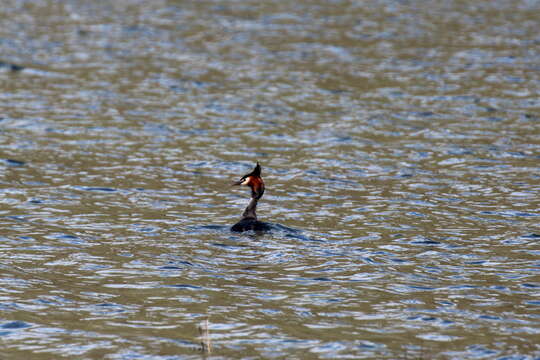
[249, 213]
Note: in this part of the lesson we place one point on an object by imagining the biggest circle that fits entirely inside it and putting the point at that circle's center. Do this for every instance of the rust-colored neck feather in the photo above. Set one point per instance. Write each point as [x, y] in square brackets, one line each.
[257, 187]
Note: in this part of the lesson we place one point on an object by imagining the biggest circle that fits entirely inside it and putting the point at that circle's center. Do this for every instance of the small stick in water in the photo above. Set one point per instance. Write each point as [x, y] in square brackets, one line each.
[204, 335]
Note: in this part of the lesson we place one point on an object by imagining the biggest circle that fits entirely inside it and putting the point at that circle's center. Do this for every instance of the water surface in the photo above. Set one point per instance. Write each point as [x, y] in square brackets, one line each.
[400, 146]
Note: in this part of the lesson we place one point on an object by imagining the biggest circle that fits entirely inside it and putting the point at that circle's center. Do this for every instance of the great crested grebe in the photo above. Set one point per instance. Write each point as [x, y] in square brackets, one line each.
[249, 217]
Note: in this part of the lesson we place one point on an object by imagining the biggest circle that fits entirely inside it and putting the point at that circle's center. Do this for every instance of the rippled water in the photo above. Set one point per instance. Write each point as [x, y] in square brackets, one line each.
[400, 145]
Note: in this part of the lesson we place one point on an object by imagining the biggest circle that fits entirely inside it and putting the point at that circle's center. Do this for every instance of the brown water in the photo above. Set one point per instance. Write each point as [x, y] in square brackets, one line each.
[400, 145]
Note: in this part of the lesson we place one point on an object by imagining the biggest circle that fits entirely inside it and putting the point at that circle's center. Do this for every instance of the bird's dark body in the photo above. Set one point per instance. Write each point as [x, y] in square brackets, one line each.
[250, 224]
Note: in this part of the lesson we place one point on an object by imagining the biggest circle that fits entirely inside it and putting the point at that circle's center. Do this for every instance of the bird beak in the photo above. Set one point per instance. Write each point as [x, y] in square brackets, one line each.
[239, 182]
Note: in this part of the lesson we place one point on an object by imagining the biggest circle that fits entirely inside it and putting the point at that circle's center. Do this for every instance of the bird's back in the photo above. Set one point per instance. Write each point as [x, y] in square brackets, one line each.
[250, 224]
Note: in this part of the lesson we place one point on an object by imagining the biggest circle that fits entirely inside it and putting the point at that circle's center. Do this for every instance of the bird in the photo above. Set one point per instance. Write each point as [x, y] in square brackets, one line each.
[249, 217]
